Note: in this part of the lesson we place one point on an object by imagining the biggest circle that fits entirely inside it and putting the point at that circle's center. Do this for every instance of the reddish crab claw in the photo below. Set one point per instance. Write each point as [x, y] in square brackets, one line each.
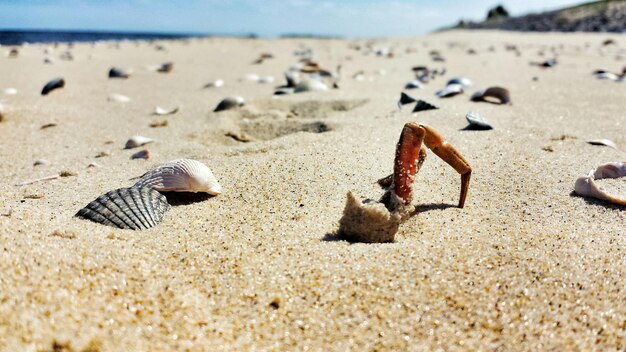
[379, 221]
[410, 154]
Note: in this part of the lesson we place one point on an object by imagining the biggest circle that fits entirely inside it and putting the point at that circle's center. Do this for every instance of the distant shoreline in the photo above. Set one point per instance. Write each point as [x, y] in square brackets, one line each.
[19, 37]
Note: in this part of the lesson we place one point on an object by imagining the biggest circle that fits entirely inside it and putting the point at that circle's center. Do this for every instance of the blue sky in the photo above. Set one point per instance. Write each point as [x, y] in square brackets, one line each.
[351, 18]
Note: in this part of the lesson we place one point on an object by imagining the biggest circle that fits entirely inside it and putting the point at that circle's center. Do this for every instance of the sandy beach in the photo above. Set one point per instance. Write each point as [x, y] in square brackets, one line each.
[525, 265]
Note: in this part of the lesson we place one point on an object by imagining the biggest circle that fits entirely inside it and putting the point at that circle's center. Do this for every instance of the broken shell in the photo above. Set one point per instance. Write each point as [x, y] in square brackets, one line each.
[310, 85]
[230, 103]
[10, 91]
[477, 122]
[52, 85]
[405, 99]
[166, 67]
[604, 142]
[422, 106]
[217, 83]
[464, 82]
[585, 186]
[502, 95]
[134, 208]
[607, 75]
[266, 79]
[118, 98]
[137, 141]
[144, 154]
[161, 111]
[292, 77]
[450, 91]
[369, 222]
[413, 85]
[182, 175]
[116, 72]
[283, 91]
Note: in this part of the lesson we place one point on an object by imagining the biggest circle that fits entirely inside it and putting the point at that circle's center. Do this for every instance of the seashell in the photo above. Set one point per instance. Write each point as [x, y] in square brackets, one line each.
[283, 91]
[310, 85]
[116, 72]
[40, 162]
[413, 85]
[252, 77]
[464, 82]
[292, 77]
[10, 91]
[214, 84]
[161, 111]
[450, 91]
[405, 99]
[230, 103]
[137, 141]
[607, 75]
[52, 85]
[548, 63]
[604, 142]
[266, 79]
[477, 122]
[48, 60]
[166, 67]
[144, 154]
[182, 175]
[135, 208]
[585, 186]
[423, 106]
[118, 98]
[502, 95]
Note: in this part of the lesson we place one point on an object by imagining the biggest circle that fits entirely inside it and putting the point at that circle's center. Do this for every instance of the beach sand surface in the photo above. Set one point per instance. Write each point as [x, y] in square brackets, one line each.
[526, 265]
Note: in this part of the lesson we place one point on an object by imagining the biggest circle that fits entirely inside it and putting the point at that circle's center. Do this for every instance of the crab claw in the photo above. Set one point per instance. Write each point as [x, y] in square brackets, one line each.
[369, 222]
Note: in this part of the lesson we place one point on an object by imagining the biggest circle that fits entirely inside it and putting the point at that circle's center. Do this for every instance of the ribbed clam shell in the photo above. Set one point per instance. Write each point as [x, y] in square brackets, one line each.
[230, 103]
[585, 186]
[52, 85]
[182, 175]
[477, 122]
[134, 208]
[450, 91]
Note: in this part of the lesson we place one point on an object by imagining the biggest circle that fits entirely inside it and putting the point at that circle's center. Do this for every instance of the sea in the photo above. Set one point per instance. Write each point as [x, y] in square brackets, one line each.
[18, 37]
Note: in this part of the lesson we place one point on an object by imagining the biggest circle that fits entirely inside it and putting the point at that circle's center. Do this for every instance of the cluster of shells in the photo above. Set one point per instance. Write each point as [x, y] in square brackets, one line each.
[143, 205]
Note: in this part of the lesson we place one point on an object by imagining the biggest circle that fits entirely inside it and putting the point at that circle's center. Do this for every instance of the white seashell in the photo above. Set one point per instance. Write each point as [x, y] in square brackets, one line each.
[182, 175]
[266, 79]
[292, 77]
[252, 77]
[10, 91]
[118, 98]
[161, 111]
[450, 91]
[137, 141]
[604, 142]
[585, 186]
[310, 86]
[214, 84]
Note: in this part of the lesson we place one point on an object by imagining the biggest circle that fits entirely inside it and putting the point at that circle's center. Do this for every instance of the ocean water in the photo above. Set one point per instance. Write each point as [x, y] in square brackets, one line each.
[17, 37]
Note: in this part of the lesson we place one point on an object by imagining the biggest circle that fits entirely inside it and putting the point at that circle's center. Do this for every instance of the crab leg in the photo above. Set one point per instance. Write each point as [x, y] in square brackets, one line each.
[409, 156]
